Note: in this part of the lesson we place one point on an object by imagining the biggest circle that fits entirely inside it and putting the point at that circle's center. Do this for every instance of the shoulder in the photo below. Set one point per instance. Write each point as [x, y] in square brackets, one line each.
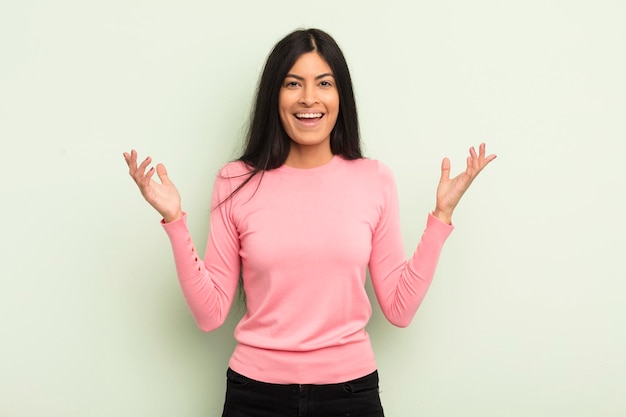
[230, 176]
[234, 169]
[372, 169]
[234, 172]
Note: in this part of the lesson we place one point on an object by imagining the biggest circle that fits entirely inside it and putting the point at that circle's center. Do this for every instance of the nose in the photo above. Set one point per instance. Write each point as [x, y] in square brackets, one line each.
[309, 95]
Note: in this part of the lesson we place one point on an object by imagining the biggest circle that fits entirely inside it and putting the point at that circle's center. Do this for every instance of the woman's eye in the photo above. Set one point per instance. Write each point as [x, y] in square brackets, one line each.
[325, 84]
[291, 84]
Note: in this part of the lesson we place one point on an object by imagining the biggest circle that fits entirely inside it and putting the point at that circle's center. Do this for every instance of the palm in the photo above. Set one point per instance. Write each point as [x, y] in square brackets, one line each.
[450, 190]
[163, 196]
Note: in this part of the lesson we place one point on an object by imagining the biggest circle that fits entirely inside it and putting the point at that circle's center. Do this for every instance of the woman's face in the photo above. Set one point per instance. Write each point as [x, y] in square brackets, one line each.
[308, 103]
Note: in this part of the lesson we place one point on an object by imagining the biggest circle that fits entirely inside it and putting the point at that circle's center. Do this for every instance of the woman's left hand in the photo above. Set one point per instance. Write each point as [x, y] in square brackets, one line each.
[450, 190]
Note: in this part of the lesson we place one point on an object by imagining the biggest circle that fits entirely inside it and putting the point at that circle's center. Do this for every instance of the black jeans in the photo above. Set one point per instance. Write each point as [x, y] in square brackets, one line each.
[246, 397]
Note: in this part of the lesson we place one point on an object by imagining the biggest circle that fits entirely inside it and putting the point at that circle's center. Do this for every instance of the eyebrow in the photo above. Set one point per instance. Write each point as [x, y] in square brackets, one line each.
[297, 77]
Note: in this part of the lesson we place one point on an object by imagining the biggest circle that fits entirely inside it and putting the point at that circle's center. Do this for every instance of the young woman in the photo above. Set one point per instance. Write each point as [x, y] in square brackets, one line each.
[302, 214]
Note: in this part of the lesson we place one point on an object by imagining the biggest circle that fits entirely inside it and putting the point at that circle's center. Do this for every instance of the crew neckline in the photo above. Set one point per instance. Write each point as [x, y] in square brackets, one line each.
[333, 161]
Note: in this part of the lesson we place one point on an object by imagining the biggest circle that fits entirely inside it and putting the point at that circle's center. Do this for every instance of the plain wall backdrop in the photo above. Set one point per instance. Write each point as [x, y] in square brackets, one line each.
[527, 313]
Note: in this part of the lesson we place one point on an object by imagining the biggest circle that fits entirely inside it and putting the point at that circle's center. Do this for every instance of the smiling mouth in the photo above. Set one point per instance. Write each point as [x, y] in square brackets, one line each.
[308, 116]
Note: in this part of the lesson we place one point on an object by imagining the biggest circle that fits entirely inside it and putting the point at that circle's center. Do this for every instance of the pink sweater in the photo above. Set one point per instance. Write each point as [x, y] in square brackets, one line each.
[304, 238]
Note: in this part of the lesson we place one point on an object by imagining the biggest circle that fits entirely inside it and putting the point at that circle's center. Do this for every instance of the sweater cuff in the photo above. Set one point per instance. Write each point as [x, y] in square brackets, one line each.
[436, 226]
[177, 228]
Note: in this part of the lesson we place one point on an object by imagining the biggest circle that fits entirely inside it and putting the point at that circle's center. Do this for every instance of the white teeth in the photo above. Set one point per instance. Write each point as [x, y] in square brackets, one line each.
[308, 115]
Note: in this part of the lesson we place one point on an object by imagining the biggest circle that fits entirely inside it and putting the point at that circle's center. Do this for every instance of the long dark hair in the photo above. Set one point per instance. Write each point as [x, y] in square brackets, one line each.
[267, 144]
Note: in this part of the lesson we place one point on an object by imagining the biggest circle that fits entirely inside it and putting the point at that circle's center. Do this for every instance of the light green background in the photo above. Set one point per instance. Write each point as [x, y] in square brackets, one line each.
[527, 313]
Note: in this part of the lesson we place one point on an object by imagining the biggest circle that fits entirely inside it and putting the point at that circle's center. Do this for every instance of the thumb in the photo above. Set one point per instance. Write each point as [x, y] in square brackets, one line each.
[445, 169]
[162, 173]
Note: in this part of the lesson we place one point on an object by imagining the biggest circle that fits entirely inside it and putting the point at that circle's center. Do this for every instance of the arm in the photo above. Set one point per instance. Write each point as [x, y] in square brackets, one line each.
[400, 286]
[209, 285]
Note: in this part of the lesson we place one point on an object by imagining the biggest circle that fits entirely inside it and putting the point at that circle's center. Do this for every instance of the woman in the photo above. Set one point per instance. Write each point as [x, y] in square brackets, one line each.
[303, 215]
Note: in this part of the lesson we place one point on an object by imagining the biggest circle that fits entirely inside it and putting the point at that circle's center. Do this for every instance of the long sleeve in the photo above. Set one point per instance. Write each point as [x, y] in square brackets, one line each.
[208, 285]
[401, 285]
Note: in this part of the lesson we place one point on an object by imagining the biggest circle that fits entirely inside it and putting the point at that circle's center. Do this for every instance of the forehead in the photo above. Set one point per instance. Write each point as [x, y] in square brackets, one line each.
[310, 63]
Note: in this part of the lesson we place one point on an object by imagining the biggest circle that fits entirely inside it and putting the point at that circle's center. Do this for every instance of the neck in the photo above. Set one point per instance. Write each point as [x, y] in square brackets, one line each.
[307, 157]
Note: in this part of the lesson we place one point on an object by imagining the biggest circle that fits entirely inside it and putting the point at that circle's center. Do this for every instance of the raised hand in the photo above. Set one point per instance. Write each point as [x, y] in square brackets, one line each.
[450, 190]
[162, 196]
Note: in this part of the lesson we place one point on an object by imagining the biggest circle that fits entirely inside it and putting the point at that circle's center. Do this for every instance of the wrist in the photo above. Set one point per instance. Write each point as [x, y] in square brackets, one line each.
[443, 216]
[172, 218]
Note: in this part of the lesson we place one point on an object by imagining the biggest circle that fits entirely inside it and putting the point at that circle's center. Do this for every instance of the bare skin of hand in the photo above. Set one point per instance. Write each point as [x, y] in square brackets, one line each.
[450, 190]
[163, 196]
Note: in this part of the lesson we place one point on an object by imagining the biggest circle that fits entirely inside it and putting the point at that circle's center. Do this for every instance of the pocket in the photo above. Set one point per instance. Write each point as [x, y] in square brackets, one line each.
[364, 385]
[236, 379]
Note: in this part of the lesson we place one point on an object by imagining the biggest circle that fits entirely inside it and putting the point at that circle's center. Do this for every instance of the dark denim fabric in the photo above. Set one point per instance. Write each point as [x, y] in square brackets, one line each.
[246, 397]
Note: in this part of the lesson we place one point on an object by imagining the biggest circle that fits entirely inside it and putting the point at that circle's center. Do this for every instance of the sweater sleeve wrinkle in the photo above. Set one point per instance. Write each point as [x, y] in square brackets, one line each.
[400, 285]
[209, 285]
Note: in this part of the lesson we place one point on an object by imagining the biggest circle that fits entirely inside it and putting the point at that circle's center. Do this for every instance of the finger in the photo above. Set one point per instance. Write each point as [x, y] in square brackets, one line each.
[472, 170]
[470, 165]
[131, 157]
[489, 159]
[473, 153]
[145, 163]
[127, 159]
[445, 169]
[139, 174]
[485, 159]
[130, 160]
[133, 163]
[481, 151]
[475, 162]
[145, 181]
[162, 173]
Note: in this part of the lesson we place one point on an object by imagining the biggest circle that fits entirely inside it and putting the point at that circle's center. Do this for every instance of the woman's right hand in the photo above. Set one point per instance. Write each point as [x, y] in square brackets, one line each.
[163, 197]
